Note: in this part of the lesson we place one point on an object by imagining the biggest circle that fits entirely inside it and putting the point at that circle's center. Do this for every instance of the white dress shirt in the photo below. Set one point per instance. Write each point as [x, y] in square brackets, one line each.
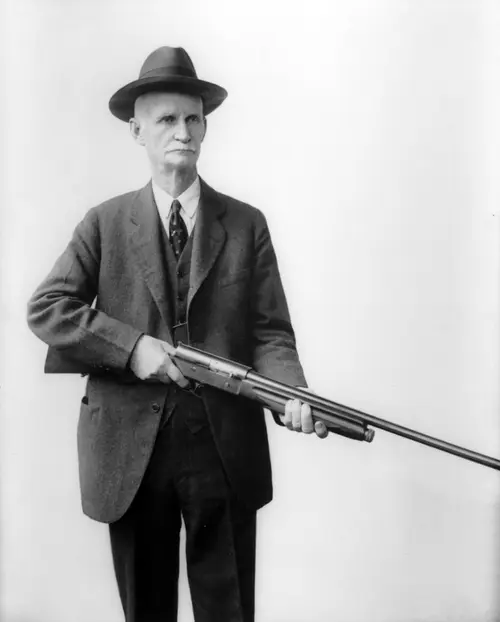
[189, 200]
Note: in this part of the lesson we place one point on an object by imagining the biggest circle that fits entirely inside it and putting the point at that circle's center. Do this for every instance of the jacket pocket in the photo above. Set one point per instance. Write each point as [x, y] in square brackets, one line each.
[88, 413]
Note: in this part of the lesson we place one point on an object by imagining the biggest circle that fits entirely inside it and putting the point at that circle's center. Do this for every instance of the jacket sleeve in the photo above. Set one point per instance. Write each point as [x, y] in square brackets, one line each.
[60, 311]
[275, 350]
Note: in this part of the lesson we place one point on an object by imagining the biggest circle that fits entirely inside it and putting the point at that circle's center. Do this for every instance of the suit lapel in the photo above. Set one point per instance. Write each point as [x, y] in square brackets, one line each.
[208, 240]
[147, 240]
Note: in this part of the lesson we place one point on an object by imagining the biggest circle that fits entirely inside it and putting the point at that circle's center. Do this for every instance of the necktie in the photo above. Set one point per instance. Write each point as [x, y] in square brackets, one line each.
[177, 230]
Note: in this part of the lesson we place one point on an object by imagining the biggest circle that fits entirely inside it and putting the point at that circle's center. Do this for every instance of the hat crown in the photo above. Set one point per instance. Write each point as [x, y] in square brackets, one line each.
[167, 69]
[168, 61]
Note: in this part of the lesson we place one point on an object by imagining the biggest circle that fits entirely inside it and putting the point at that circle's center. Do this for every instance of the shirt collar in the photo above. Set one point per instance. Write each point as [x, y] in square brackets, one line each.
[189, 199]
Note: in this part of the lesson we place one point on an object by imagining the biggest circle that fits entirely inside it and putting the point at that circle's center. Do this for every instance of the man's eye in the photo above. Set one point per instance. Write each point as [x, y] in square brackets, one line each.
[194, 118]
[168, 118]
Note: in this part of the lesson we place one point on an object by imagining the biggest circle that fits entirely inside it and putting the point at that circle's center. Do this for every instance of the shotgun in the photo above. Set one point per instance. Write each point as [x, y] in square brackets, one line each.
[208, 369]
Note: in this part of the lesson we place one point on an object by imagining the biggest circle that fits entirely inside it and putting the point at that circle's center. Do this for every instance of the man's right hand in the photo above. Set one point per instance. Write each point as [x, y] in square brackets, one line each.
[151, 360]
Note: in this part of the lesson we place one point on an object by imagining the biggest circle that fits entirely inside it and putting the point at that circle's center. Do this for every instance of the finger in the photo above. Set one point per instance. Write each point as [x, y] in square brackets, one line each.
[306, 419]
[320, 429]
[296, 416]
[161, 374]
[288, 420]
[169, 372]
[176, 375]
[173, 371]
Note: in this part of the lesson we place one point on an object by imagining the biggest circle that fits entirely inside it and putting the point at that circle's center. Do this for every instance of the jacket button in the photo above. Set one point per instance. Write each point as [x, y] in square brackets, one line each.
[155, 407]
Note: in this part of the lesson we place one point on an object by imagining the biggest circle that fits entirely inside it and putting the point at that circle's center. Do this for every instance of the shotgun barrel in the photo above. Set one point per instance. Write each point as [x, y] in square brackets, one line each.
[207, 369]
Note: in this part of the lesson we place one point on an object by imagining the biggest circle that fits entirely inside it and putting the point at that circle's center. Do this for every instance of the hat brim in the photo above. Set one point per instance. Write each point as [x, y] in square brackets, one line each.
[122, 103]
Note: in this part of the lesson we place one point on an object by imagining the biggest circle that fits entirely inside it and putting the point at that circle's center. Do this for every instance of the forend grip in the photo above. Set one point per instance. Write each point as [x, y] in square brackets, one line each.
[350, 429]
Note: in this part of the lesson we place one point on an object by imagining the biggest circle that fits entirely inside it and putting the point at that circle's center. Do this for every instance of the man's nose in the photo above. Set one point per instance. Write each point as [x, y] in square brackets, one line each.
[182, 132]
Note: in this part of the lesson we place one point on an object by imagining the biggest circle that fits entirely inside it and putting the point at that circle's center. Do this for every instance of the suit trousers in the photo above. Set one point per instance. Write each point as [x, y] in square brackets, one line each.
[185, 480]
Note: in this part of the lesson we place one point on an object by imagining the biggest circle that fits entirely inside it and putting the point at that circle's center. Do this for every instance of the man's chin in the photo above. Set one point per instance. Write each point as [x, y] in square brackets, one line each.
[179, 159]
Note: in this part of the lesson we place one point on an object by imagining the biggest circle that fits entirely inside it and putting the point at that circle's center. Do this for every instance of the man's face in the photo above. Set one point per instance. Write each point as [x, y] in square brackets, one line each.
[171, 127]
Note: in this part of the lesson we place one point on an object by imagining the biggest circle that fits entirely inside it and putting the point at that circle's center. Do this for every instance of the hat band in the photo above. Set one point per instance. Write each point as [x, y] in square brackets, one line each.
[173, 70]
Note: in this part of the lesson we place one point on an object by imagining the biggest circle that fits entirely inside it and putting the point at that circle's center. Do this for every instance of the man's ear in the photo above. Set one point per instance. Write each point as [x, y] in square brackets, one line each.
[135, 130]
[205, 131]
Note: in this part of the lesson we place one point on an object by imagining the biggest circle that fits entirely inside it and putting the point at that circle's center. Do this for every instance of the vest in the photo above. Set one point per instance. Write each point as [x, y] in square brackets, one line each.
[177, 274]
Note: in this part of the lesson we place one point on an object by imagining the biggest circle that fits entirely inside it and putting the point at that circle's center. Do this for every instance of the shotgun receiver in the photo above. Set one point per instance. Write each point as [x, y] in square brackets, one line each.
[207, 369]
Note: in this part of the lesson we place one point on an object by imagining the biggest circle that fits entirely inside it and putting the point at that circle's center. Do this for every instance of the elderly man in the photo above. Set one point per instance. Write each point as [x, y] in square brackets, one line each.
[173, 261]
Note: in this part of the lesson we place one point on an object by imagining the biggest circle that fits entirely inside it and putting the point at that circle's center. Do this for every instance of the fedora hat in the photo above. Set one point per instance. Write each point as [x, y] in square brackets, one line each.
[166, 69]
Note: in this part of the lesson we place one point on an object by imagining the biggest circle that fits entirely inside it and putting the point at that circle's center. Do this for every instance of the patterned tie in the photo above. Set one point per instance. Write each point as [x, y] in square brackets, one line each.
[177, 229]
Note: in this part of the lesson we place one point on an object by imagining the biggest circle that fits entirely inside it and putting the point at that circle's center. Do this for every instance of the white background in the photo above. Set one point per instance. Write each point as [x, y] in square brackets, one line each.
[380, 121]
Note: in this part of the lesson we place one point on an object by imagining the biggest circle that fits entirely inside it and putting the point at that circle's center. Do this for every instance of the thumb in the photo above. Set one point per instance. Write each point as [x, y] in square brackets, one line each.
[168, 348]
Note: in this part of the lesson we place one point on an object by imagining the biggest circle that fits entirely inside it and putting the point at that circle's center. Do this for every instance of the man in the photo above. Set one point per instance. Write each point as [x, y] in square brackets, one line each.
[173, 261]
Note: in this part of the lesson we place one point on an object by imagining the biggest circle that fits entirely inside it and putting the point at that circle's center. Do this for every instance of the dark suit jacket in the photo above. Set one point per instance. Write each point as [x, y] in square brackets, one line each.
[236, 309]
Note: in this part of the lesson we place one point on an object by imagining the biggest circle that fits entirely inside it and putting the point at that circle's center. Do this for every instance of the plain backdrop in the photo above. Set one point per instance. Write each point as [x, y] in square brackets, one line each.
[368, 133]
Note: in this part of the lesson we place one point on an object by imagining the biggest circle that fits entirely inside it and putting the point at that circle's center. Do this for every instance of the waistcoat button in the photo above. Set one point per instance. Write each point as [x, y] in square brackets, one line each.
[155, 407]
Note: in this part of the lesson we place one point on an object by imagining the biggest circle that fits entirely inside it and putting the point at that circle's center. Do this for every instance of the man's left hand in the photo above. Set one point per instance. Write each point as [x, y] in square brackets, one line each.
[298, 417]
